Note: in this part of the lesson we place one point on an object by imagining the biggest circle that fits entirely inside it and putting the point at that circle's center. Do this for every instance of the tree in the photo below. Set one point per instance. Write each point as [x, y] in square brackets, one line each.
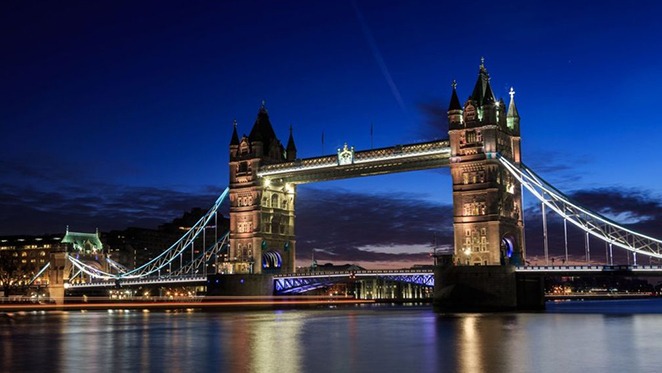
[13, 273]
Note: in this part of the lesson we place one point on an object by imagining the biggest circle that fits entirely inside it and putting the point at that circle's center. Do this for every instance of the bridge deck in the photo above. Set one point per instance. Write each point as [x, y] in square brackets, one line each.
[397, 158]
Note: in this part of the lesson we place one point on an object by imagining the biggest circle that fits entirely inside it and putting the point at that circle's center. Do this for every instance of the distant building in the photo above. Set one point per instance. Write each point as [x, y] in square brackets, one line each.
[83, 242]
[21, 258]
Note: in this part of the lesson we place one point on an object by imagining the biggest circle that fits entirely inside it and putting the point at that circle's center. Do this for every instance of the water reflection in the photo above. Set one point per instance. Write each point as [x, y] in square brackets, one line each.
[469, 346]
[361, 339]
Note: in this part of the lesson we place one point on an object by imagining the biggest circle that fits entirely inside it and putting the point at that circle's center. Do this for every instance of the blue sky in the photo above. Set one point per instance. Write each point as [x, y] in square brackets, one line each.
[120, 113]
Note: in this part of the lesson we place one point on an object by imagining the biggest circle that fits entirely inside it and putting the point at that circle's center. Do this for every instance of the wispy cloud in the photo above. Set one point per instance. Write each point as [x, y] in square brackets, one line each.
[368, 227]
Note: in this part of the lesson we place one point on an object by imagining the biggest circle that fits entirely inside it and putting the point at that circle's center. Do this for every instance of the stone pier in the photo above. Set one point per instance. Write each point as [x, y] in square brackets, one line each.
[486, 289]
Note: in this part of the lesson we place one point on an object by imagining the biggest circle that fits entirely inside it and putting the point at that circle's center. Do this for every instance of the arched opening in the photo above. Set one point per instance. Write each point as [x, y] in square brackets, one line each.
[271, 260]
[509, 252]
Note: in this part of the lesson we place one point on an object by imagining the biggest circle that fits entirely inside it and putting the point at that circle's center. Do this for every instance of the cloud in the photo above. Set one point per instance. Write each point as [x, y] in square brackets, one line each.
[435, 119]
[344, 226]
[341, 226]
[30, 210]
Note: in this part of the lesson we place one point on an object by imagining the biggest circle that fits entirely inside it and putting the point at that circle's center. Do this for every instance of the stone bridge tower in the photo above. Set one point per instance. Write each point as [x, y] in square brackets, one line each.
[487, 200]
[261, 210]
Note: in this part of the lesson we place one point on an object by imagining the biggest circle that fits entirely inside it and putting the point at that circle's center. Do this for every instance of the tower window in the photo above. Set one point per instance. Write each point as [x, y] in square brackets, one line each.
[471, 137]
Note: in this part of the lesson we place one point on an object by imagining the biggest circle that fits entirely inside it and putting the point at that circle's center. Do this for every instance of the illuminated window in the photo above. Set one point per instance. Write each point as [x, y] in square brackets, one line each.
[471, 137]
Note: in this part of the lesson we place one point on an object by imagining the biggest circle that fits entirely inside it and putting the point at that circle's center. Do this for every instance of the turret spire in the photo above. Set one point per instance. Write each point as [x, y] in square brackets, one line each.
[235, 137]
[455, 102]
[482, 92]
[512, 117]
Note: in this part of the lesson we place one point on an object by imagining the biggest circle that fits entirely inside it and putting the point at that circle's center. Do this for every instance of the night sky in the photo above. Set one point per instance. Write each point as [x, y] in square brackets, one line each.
[119, 113]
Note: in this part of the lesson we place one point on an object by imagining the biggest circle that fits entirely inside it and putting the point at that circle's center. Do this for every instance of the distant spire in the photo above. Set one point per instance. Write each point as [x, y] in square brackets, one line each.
[291, 148]
[235, 137]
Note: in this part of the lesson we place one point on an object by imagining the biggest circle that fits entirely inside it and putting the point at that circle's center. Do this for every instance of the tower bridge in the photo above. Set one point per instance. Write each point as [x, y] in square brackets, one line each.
[487, 201]
[483, 153]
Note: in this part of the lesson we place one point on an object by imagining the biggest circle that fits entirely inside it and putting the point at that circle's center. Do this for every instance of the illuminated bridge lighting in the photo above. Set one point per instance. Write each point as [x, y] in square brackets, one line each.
[590, 222]
[440, 148]
[302, 283]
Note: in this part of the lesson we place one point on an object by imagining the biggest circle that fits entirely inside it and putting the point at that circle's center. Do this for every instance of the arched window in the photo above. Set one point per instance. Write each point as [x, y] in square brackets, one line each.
[274, 200]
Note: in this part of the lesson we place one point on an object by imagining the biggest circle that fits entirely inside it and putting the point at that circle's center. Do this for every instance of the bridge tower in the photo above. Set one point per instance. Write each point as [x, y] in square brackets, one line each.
[487, 200]
[261, 210]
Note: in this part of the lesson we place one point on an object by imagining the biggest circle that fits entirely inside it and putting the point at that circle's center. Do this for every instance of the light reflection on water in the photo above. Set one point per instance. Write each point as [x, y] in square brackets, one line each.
[568, 338]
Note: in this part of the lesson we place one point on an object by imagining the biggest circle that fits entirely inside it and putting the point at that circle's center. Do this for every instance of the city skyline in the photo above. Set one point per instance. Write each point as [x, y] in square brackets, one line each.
[121, 115]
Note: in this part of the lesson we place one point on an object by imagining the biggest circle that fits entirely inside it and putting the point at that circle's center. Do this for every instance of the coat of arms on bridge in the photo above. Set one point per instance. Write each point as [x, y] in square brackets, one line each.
[345, 155]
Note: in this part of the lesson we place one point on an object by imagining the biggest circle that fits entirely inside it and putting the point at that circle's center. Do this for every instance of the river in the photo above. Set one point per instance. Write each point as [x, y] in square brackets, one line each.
[607, 336]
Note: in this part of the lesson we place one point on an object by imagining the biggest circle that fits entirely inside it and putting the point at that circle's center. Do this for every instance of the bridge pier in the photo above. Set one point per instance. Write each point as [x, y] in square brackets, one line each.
[58, 276]
[486, 289]
[240, 285]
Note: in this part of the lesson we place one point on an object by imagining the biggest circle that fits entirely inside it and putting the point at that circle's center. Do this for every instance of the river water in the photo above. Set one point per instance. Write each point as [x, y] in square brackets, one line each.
[609, 336]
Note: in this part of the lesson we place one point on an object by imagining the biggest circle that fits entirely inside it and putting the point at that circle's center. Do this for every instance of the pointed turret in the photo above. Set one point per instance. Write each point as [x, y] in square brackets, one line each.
[512, 116]
[488, 96]
[482, 93]
[455, 102]
[454, 108]
[291, 149]
[235, 137]
[262, 137]
[234, 141]
[262, 129]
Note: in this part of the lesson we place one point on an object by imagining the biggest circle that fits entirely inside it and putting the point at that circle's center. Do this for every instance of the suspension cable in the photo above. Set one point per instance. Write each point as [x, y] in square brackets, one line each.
[590, 222]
